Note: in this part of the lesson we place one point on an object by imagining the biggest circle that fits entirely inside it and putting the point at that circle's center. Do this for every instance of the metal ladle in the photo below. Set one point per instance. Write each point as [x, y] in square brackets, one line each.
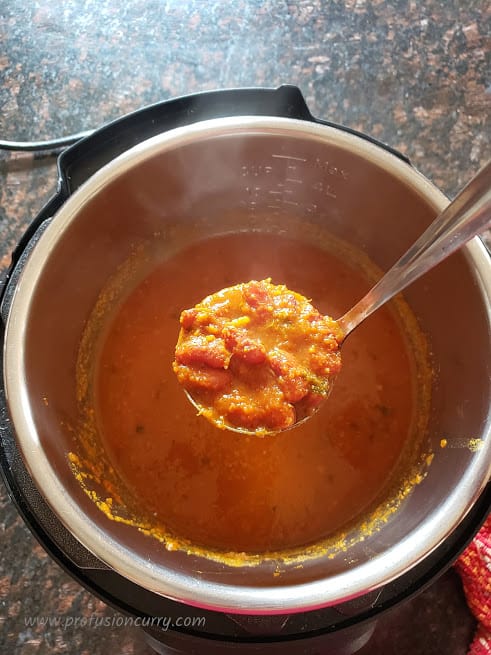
[465, 217]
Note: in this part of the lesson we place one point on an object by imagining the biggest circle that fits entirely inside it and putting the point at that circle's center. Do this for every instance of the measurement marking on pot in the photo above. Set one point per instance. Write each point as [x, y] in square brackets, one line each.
[331, 169]
[280, 193]
[256, 170]
[324, 188]
[311, 209]
[289, 157]
[472, 444]
[294, 180]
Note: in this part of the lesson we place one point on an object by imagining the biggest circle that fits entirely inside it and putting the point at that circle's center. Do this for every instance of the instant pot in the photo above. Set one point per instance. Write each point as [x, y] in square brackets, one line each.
[329, 606]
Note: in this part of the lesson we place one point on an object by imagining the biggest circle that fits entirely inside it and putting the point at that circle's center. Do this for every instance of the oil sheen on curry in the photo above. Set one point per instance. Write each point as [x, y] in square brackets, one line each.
[225, 491]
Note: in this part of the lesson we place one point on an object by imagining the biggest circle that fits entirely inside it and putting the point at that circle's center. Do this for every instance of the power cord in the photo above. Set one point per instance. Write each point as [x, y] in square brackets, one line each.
[36, 146]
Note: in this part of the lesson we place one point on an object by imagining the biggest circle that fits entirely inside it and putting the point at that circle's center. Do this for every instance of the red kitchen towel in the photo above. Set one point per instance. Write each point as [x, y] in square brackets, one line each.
[474, 566]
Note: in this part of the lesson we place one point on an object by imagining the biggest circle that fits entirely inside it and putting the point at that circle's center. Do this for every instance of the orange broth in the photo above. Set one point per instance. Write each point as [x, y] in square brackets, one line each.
[232, 492]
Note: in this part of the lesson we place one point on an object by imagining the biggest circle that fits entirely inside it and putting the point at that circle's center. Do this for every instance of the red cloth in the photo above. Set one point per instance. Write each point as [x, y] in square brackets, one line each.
[474, 566]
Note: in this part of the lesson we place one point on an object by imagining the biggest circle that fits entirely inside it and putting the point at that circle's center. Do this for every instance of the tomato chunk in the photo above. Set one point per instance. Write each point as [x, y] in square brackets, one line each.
[199, 351]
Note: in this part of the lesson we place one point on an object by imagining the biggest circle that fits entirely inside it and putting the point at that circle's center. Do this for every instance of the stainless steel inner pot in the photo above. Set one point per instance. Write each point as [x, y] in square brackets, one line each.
[198, 175]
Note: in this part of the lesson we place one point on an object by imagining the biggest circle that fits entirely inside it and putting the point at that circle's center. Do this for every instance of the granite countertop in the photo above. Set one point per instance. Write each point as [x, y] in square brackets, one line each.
[413, 74]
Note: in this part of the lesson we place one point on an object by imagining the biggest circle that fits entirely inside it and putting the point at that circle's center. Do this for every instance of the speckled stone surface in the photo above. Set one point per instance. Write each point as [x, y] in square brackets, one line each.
[415, 74]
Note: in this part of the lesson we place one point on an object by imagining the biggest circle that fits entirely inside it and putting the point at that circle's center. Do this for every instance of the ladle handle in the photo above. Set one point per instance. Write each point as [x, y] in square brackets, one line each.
[467, 215]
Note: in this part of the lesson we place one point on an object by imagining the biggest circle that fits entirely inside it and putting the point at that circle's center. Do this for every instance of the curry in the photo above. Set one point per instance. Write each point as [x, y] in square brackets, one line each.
[224, 491]
[257, 356]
